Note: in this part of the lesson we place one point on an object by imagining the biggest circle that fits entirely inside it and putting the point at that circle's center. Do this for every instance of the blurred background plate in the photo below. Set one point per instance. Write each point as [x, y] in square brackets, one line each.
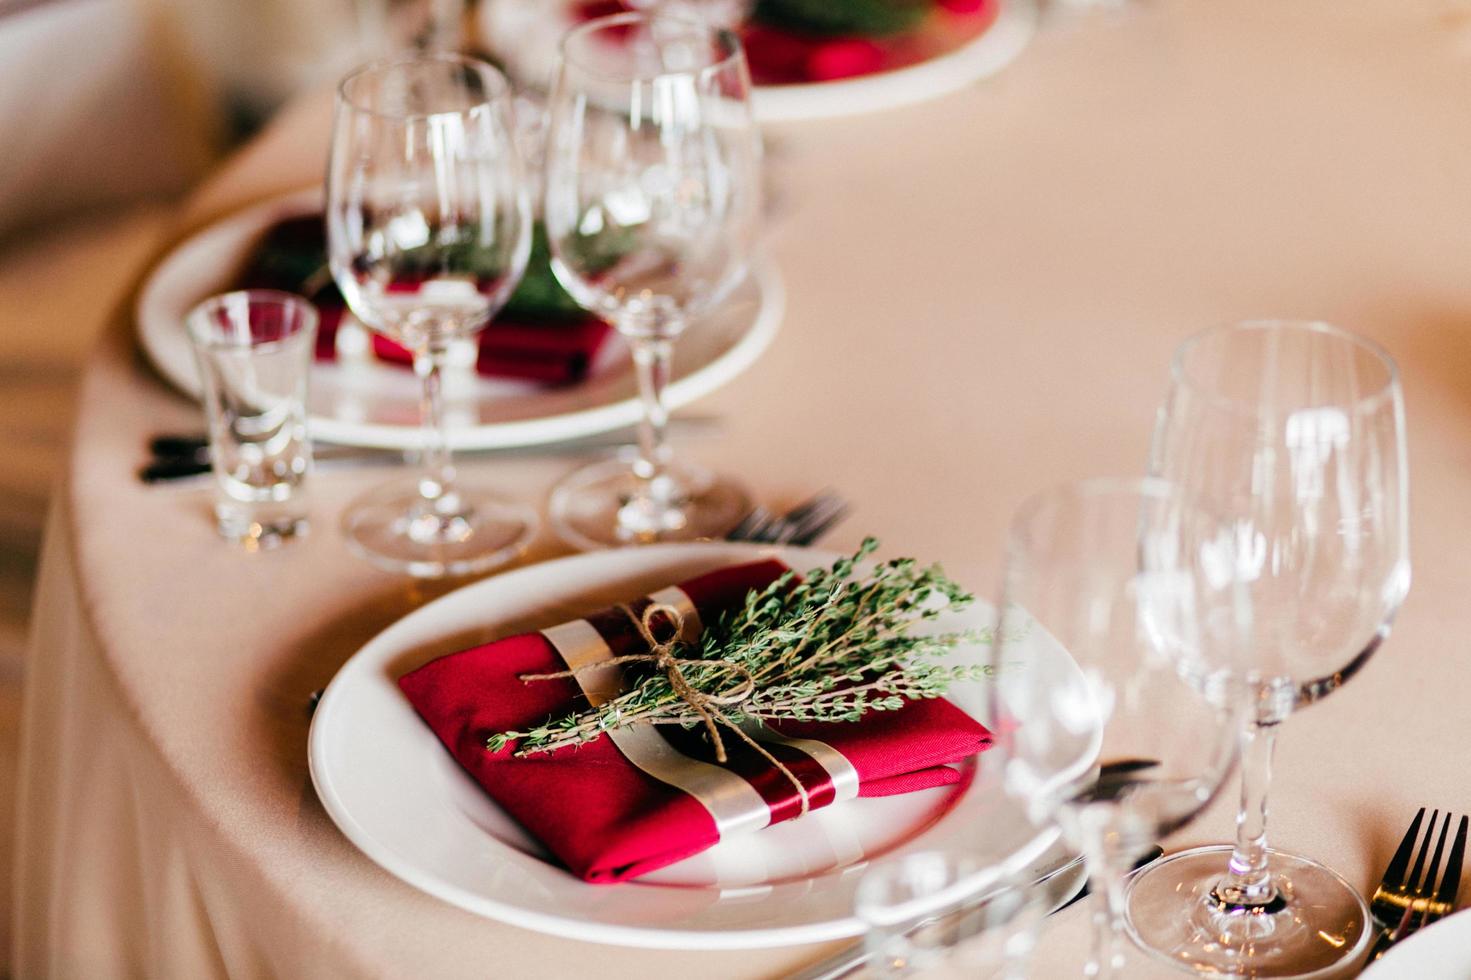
[947, 53]
[375, 404]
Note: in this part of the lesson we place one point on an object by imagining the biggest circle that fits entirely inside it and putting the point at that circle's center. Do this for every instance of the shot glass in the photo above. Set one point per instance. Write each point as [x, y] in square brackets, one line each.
[944, 915]
[254, 350]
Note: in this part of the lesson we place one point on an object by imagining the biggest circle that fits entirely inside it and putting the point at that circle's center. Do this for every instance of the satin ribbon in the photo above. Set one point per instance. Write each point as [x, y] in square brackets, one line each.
[737, 802]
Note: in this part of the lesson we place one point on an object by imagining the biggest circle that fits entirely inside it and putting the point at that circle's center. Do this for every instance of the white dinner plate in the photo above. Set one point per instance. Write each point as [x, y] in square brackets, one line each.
[1440, 952]
[362, 402]
[397, 794]
[537, 28]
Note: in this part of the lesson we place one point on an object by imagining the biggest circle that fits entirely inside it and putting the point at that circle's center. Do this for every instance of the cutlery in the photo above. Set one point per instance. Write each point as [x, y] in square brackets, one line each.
[801, 525]
[180, 456]
[1408, 897]
[809, 521]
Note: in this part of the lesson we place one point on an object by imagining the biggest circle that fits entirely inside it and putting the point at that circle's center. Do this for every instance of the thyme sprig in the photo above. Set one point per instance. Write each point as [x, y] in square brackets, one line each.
[829, 646]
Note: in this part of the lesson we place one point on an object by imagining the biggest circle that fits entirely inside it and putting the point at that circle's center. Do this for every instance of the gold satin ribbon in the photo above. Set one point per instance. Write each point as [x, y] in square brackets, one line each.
[707, 706]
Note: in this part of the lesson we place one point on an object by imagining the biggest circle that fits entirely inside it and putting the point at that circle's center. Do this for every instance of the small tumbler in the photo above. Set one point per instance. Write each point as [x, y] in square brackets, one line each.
[254, 350]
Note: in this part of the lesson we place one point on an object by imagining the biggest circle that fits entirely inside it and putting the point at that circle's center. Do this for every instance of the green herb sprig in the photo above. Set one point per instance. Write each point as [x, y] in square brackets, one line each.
[862, 18]
[830, 646]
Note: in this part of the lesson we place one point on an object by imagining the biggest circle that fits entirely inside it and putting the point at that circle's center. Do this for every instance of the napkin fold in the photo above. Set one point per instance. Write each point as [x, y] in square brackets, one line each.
[794, 42]
[647, 796]
[553, 348]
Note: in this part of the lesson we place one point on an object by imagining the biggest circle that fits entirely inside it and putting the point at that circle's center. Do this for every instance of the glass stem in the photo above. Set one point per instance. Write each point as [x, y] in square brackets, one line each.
[437, 471]
[655, 506]
[1106, 958]
[651, 358]
[1248, 882]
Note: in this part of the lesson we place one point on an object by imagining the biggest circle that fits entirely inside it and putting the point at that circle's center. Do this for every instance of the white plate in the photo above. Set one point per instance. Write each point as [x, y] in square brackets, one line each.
[403, 800]
[537, 29]
[372, 404]
[1441, 952]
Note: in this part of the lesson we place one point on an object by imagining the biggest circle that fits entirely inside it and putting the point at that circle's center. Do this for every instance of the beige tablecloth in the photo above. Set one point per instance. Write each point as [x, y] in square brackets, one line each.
[984, 293]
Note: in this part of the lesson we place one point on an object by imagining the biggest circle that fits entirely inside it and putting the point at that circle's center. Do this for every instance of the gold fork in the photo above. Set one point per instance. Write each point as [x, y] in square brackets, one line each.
[1408, 897]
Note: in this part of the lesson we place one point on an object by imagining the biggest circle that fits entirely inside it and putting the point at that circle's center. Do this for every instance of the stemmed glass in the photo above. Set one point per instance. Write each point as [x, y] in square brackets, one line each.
[652, 208]
[428, 231]
[1294, 432]
[1117, 650]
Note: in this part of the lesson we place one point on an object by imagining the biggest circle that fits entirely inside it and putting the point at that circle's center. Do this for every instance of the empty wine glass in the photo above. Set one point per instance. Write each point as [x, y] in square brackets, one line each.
[1294, 433]
[652, 208]
[428, 231]
[1116, 656]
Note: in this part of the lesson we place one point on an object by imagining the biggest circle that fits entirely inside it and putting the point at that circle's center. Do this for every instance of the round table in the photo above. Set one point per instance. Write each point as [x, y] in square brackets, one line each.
[984, 292]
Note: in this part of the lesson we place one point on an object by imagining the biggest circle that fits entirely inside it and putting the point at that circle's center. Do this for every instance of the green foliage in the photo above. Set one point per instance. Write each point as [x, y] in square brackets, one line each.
[866, 18]
[832, 646]
[293, 257]
[540, 295]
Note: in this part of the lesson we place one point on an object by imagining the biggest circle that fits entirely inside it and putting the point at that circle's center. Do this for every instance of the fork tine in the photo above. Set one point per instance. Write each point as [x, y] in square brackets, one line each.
[1414, 880]
[800, 512]
[801, 525]
[815, 529]
[801, 517]
[1394, 875]
[821, 506]
[1433, 872]
[1450, 882]
[755, 521]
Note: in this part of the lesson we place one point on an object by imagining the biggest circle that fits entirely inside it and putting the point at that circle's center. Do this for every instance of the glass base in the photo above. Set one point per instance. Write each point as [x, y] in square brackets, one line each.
[259, 529]
[1320, 924]
[475, 531]
[606, 505]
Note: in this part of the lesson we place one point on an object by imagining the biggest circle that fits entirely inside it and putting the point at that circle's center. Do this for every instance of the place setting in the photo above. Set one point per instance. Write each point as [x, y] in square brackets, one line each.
[808, 61]
[699, 730]
[597, 346]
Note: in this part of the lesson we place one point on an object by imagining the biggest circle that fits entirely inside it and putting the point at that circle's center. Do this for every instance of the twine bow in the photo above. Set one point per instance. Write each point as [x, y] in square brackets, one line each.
[707, 706]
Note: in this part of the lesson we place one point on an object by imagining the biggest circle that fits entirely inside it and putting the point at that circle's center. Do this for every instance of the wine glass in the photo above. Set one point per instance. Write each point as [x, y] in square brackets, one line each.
[1294, 432]
[1118, 646]
[652, 207]
[428, 231]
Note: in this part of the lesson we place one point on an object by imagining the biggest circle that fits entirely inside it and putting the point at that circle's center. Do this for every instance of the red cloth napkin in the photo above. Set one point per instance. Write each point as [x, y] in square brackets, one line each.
[607, 819]
[549, 351]
[786, 56]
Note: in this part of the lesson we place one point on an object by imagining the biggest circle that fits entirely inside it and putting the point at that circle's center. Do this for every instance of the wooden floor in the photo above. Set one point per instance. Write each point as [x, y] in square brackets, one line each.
[57, 289]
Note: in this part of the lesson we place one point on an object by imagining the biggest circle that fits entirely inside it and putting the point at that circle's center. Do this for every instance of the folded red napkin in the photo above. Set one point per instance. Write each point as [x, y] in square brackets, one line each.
[552, 353]
[648, 796]
[800, 42]
[548, 349]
